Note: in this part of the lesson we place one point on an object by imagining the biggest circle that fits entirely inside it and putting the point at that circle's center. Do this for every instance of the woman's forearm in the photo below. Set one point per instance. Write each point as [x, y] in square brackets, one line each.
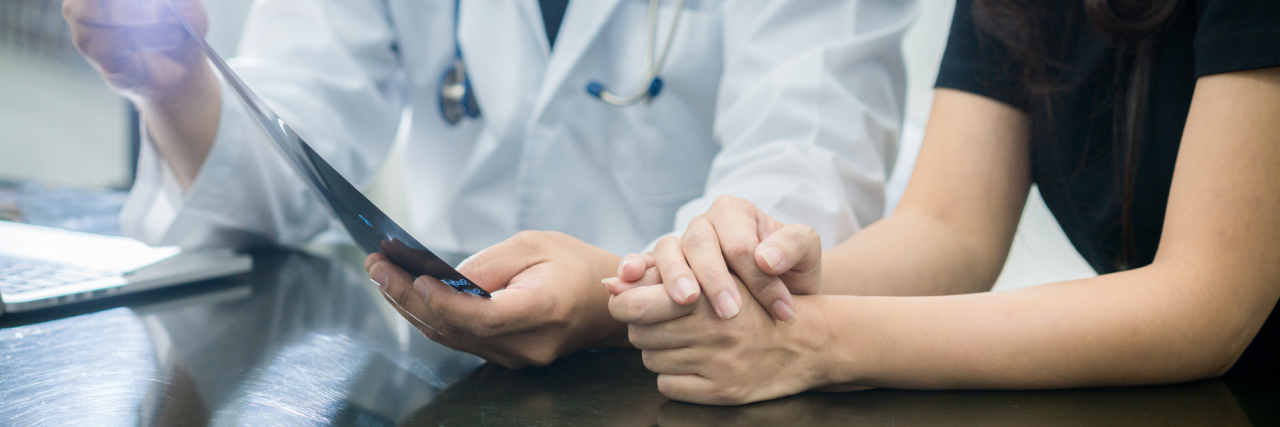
[910, 254]
[1138, 327]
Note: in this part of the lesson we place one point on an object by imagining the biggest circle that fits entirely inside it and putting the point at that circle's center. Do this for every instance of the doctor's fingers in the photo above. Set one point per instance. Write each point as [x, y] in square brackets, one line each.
[508, 312]
[112, 42]
[495, 266]
[793, 253]
[134, 12]
[616, 286]
[633, 267]
[397, 287]
[646, 305]
[701, 248]
[462, 343]
[372, 259]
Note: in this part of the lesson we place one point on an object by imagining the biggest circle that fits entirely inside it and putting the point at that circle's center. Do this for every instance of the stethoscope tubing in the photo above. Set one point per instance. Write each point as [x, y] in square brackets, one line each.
[457, 100]
[652, 69]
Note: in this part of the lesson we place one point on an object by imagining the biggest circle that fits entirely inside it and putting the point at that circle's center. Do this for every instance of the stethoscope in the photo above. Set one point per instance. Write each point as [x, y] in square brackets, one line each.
[458, 100]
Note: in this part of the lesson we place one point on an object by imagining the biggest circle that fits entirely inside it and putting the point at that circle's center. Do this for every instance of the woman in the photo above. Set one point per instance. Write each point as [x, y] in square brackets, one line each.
[1153, 131]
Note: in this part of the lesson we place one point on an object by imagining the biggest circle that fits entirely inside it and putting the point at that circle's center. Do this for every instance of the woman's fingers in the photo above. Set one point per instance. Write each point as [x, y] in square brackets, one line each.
[702, 251]
[672, 361]
[677, 278]
[794, 253]
[690, 388]
[739, 224]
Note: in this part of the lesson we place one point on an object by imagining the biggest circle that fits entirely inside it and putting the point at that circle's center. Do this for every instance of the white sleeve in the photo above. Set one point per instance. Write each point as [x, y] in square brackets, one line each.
[325, 67]
[809, 111]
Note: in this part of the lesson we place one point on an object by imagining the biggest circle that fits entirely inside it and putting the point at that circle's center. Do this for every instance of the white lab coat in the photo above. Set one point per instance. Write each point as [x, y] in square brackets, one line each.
[795, 105]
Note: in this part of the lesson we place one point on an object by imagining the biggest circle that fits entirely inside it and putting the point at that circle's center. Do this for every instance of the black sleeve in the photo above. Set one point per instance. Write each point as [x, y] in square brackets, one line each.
[1235, 35]
[976, 63]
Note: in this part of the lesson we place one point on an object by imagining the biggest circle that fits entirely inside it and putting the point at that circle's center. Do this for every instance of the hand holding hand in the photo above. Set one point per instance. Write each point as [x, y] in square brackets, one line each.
[547, 300]
[702, 358]
[734, 237]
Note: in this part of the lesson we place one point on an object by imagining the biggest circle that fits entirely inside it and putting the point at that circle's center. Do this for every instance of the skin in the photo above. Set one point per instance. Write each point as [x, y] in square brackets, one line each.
[1189, 315]
[547, 300]
[703, 258]
[146, 56]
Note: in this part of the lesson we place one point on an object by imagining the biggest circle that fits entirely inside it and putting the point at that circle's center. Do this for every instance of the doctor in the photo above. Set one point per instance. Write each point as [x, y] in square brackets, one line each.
[511, 126]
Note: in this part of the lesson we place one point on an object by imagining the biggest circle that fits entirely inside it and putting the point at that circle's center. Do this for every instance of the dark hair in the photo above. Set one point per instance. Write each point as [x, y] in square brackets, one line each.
[1132, 27]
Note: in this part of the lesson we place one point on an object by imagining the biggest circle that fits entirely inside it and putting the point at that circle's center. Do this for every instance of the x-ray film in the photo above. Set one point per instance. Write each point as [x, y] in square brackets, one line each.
[371, 229]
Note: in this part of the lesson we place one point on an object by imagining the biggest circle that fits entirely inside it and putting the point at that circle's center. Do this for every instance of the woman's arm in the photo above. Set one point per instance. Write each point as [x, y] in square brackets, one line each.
[949, 235]
[1188, 315]
[952, 230]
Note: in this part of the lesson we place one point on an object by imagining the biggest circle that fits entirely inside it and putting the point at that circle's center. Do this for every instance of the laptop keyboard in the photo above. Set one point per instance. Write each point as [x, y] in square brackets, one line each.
[19, 274]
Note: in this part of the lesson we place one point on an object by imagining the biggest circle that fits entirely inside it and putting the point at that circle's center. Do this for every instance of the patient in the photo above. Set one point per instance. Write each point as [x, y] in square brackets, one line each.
[1151, 129]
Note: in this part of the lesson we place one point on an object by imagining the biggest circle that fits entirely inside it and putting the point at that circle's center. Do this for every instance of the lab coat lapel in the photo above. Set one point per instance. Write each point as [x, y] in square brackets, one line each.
[583, 22]
[505, 54]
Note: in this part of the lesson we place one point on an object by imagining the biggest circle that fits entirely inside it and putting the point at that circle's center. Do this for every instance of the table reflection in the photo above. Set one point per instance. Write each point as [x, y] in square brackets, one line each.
[301, 340]
[306, 340]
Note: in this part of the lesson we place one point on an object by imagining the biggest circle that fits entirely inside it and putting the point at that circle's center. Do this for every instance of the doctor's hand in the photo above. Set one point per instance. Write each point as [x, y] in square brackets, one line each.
[702, 358]
[547, 300]
[145, 55]
[137, 45]
[733, 238]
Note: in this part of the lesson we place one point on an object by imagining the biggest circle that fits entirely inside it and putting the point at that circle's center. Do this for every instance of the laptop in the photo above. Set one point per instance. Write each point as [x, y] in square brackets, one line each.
[42, 267]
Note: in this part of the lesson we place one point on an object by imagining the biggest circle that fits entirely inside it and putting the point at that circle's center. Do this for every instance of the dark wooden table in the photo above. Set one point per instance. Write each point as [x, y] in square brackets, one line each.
[305, 340]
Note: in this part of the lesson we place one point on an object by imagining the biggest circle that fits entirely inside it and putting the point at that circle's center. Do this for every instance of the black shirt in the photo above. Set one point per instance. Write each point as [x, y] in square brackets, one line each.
[552, 16]
[1077, 160]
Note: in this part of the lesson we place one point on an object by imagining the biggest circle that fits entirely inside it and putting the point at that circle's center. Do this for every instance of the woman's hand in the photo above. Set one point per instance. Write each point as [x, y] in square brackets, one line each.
[774, 261]
[702, 358]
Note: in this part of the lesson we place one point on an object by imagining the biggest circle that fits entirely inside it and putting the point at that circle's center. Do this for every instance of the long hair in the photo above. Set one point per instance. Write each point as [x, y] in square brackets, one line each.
[1132, 27]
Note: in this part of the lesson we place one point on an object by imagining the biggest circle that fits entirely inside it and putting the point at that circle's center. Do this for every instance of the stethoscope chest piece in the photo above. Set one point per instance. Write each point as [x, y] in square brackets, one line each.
[457, 100]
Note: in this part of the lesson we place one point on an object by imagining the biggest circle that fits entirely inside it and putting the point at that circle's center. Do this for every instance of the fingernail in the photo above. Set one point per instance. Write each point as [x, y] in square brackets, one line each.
[623, 265]
[420, 286]
[772, 256]
[686, 288]
[728, 306]
[379, 277]
[784, 312]
[612, 281]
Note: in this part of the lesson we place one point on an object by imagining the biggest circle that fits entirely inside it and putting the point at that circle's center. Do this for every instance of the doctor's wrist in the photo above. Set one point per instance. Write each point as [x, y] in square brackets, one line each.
[182, 121]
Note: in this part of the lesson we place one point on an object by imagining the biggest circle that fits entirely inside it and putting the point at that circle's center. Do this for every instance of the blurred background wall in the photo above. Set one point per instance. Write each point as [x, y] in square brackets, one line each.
[60, 124]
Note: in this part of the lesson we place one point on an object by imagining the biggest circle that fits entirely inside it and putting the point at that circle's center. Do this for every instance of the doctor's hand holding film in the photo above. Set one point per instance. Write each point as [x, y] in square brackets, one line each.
[547, 300]
[145, 55]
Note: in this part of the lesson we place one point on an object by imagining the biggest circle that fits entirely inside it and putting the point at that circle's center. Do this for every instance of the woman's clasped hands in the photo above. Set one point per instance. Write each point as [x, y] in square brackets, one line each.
[685, 309]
